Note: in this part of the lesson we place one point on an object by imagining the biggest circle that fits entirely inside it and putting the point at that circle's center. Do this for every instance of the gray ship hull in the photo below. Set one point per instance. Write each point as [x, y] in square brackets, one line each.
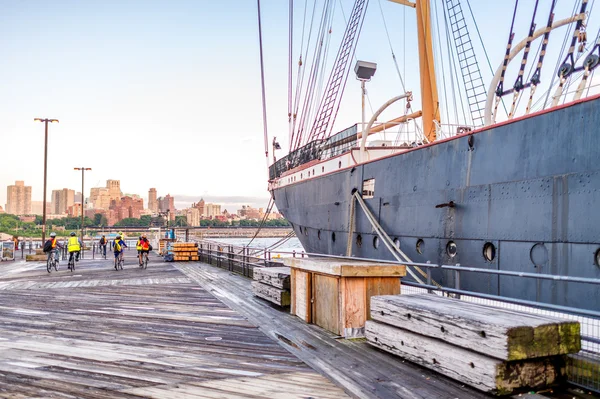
[530, 188]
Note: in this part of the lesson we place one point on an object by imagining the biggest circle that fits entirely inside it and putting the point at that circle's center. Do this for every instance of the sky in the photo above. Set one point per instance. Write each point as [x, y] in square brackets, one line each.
[167, 94]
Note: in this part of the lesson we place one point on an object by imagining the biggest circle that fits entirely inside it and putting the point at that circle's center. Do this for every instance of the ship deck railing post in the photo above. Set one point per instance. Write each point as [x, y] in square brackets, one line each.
[429, 290]
[457, 281]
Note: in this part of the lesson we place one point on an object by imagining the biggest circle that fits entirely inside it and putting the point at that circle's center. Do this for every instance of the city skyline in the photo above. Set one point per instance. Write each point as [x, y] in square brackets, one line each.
[61, 199]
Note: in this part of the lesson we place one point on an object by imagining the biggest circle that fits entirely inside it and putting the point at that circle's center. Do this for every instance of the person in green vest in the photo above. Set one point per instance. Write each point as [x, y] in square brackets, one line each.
[74, 247]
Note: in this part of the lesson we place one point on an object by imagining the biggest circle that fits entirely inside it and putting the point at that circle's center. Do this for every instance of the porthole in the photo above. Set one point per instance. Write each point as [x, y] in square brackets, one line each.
[597, 257]
[420, 246]
[313, 172]
[319, 234]
[489, 251]
[340, 164]
[359, 240]
[323, 169]
[333, 236]
[376, 242]
[397, 243]
[301, 175]
[451, 249]
[539, 254]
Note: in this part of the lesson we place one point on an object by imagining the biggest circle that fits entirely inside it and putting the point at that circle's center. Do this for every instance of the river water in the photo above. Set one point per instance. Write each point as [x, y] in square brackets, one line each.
[292, 244]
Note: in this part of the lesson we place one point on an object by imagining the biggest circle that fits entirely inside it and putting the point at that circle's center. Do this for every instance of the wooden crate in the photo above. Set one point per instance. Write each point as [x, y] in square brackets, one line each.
[336, 294]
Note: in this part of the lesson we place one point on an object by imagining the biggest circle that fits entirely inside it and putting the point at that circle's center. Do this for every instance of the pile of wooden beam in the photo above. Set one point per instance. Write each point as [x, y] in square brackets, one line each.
[493, 349]
[185, 251]
[272, 284]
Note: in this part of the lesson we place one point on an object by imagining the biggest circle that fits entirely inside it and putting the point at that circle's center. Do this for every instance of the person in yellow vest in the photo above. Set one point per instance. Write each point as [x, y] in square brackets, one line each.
[74, 247]
[143, 246]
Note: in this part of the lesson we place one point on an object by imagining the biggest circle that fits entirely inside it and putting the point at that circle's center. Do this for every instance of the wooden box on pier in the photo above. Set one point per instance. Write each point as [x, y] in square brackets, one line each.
[335, 294]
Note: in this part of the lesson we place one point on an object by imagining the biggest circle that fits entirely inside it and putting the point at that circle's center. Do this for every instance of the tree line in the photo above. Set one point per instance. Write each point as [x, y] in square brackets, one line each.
[10, 224]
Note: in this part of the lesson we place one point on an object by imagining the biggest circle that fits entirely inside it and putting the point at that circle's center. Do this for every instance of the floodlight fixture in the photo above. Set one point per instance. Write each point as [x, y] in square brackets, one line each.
[365, 70]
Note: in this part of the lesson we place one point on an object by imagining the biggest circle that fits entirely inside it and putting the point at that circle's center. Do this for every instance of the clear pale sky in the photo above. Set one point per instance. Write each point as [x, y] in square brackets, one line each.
[166, 94]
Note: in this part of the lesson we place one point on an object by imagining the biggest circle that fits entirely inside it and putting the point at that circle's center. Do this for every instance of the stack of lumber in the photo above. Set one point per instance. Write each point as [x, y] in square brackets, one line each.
[492, 349]
[184, 251]
[272, 284]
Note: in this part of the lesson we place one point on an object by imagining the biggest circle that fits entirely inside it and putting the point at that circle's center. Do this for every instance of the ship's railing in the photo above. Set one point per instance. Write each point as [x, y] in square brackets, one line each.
[331, 147]
[583, 369]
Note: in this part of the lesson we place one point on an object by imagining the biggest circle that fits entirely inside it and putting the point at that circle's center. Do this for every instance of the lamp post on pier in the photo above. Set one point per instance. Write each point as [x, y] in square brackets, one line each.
[46, 120]
[82, 169]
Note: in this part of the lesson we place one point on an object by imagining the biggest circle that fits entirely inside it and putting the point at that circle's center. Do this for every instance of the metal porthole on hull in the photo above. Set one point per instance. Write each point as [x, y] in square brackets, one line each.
[333, 236]
[376, 242]
[319, 234]
[539, 254]
[359, 240]
[489, 251]
[597, 257]
[451, 249]
[420, 245]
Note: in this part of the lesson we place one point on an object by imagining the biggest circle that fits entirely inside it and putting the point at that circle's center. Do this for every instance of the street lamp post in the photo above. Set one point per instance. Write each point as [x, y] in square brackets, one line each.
[46, 120]
[82, 169]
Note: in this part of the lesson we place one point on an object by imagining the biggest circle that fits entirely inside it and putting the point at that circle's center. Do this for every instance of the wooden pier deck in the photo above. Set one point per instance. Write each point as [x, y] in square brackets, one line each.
[179, 330]
[155, 333]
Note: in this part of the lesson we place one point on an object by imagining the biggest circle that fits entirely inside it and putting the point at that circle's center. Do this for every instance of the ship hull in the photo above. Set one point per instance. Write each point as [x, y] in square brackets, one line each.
[529, 188]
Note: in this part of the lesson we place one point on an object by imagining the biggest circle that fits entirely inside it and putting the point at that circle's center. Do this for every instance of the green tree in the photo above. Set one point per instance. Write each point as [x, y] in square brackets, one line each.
[180, 221]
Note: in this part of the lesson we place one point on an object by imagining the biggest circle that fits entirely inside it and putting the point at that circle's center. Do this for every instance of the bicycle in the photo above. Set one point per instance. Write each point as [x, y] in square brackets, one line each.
[102, 249]
[52, 262]
[71, 261]
[119, 261]
[144, 264]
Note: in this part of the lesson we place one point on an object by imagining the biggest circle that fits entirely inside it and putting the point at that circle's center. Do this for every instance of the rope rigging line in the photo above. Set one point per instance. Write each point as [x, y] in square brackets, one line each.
[518, 86]
[567, 69]
[500, 88]
[536, 78]
[290, 60]
[455, 76]
[441, 57]
[314, 73]
[449, 66]
[387, 241]
[262, 81]
[264, 219]
[391, 48]
[301, 69]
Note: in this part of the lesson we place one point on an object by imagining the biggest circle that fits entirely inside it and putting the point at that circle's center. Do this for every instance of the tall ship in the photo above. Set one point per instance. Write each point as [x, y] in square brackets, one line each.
[513, 187]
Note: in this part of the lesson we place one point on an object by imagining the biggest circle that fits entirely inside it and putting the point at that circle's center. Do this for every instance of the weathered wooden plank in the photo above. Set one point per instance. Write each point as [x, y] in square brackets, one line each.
[301, 295]
[502, 333]
[276, 276]
[482, 372]
[346, 268]
[276, 295]
[326, 303]
[354, 311]
[352, 364]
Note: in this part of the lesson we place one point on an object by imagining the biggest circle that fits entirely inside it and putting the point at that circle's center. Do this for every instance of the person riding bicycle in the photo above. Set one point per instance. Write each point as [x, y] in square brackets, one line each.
[74, 247]
[54, 249]
[143, 247]
[118, 246]
[103, 242]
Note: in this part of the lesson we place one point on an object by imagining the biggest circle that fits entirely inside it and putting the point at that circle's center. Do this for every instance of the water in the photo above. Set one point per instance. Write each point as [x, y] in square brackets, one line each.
[292, 244]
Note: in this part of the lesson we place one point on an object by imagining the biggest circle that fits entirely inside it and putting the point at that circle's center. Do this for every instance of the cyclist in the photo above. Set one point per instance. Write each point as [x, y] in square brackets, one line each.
[118, 247]
[55, 247]
[103, 243]
[74, 247]
[143, 247]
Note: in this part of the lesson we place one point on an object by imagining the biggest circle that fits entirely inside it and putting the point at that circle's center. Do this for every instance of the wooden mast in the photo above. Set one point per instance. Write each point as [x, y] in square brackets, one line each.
[429, 95]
